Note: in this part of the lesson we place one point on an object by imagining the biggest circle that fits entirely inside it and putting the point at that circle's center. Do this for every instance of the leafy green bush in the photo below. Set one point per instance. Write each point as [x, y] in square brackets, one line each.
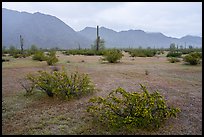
[113, 55]
[123, 109]
[39, 55]
[59, 83]
[87, 52]
[193, 58]
[174, 54]
[142, 52]
[173, 60]
[52, 59]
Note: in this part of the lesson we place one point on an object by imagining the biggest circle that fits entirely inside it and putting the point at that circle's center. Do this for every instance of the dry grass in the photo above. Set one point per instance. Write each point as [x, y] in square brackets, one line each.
[38, 114]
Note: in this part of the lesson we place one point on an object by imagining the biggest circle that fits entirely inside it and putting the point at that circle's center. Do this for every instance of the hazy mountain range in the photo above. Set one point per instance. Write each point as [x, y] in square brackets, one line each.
[44, 31]
[137, 38]
[47, 31]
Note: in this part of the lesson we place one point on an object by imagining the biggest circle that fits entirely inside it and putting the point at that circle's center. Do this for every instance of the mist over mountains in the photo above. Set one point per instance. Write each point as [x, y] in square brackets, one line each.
[46, 31]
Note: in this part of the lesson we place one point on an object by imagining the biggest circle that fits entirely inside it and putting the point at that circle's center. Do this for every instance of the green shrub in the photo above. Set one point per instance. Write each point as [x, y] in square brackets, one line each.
[52, 59]
[87, 52]
[113, 55]
[20, 55]
[16, 55]
[134, 110]
[193, 58]
[174, 54]
[39, 55]
[173, 60]
[59, 83]
[141, 52]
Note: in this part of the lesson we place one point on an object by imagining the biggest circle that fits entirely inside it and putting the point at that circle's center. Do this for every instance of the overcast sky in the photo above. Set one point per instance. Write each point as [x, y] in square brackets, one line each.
[175, 19]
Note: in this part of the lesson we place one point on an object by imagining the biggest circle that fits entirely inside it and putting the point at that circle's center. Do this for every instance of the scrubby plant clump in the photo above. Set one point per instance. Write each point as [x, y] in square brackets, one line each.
[59, 83]
[174, 54]
[193, 58]
[173, 60]
[39, 55]
[86, 52]
[134, 110]
[52, 59]
[142, 53]
[113, 55]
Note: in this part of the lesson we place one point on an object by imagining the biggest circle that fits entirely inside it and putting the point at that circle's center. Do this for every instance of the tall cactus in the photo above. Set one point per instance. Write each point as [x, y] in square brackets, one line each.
[97, 39]
[21, 42]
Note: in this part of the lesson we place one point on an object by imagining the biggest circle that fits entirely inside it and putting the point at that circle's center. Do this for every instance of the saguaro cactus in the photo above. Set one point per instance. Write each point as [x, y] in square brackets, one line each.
[21, 42]
[97, 39]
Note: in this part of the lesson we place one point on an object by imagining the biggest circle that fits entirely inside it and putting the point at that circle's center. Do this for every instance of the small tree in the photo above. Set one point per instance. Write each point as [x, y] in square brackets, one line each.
[33, 49]
[172, 47]
[101, 45]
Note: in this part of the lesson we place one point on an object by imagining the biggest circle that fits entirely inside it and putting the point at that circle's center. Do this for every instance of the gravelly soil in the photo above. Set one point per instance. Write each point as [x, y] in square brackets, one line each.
[38, 114]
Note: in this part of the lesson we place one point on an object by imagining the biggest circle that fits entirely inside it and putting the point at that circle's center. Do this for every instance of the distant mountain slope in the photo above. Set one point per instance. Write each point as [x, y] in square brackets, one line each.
[136, 38]
[44, 31]
[47, 31]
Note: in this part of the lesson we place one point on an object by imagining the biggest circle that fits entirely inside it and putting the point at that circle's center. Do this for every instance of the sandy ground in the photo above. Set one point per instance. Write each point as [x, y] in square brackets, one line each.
[180, 84]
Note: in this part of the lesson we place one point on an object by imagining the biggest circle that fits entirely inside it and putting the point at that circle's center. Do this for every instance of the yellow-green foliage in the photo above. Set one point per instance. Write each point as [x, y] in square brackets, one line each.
[52, 59]
[141, 52]
[86, 52]
[140, 110]
[59, 83]
[39, 55]
[113, 55]
[193, 58]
